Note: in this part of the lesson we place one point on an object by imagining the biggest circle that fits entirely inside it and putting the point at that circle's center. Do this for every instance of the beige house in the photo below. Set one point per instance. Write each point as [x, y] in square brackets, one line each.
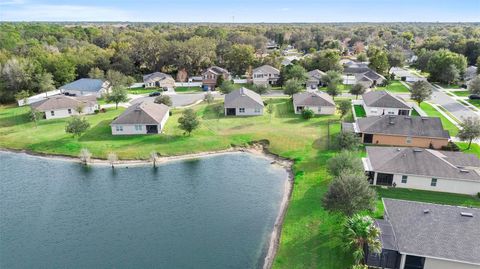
[243, 102]
[265, 75]
[393, 130]
[141, 118]
[314, 79]
[378, 103]
[61, 106]
[158, 79]
[319, 102]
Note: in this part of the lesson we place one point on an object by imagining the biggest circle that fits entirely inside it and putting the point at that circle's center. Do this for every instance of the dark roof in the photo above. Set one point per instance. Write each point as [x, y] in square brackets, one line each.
[156, 76]
[84, 84]
[437, 231]
[403, 125]
[424, 162]
[355, 68]
[313, 99]
[373, 75]
[384, 99]
[64, 102]
[243, 97]
[143, 113]
[387, 237]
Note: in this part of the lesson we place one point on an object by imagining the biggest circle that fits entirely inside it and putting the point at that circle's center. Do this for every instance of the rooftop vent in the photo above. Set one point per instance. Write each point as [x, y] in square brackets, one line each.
[398, 149]
[417, 150]
[424, 118]
[464, 171]
[426, 211]
[466, 214]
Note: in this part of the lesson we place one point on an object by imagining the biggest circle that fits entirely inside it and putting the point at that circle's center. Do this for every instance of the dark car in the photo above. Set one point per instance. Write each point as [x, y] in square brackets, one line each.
[153, 94]
[474, 96]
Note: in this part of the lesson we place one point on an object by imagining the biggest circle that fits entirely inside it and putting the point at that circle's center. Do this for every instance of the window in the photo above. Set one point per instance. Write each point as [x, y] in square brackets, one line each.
[434, 182]
[52, 113]
[69, 111]
[319, 109]
[257, 110]
[119, 128]
[404, 179]
[241, 110]
[391, 113]
[409, 140]
[138, 127]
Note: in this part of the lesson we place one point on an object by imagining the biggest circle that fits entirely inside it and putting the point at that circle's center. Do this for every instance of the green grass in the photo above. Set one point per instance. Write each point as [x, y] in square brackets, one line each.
[475, 102]
[474, 148]
[449, 86]
[359, 111]
[415, 113]
[394, 86]
[141, 90]
[188, 89]
[461, 93]
[432, 112]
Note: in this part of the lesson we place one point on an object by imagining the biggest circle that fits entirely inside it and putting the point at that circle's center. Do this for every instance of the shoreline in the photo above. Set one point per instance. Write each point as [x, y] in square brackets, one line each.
[257, 149]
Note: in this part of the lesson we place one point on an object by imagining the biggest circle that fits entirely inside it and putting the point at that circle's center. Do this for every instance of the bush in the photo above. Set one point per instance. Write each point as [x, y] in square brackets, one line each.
[96, 111]
[307, 113]
[451, 147]
[348, 141]
[345, 162]
[164, 99]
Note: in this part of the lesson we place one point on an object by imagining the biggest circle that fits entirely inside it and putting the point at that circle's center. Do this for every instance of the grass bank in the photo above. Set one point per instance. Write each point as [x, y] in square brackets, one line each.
[432, 112]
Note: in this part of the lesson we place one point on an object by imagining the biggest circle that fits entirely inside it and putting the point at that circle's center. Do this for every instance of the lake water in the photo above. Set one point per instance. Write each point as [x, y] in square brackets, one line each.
[213, 212]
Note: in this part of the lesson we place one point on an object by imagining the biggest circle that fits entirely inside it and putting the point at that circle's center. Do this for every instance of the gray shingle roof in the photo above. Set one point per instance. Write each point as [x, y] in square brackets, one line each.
[156, 76]
[64, 102]
[403, 125]
[441, 233]
[143, 113]
[243, 97]
[424, 162]
[217, 70]
[372, 75]
[315, 74]
[84, 84]
[313, 99]
[268, 69]
[384, 99]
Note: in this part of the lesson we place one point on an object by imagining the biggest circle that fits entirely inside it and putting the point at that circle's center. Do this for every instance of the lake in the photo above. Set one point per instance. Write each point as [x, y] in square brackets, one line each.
[211, 212]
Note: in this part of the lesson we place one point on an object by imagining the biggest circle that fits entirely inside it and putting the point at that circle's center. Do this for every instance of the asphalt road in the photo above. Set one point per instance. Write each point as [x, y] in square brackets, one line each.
[455, 108]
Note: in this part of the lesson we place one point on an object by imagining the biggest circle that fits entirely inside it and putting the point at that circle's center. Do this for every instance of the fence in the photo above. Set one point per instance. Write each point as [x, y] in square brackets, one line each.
[240, 81]
[38, 97]
[188, 84]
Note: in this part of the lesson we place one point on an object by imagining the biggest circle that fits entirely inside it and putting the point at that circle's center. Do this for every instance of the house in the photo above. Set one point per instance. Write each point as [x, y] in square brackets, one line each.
[265, 75]
[210, 76]
[86, 86]
[418, 235]
[158, 79]
[141, 118]
[314, 79]
[470, 73]
[393, 130]
[363, 74]
[378, 103]
[243, 102]
[424, 169]
[61, 106]
[319, 102]
[405, 75]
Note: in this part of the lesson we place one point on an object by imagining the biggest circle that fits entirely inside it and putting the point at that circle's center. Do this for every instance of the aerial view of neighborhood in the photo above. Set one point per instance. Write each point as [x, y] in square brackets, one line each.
[241, 134]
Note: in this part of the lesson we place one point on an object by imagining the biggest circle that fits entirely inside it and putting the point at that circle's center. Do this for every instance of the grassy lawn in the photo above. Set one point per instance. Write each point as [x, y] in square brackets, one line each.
[432, 112]
[394, 86]
[359, 111]
[449, 86]
[461, 93]
[474, 148]
[475, 102]
[188, 89]
[415, 113]
[142, 90]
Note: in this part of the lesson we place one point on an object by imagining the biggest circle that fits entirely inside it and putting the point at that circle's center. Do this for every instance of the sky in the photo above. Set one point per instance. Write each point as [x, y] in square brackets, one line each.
[242, 11]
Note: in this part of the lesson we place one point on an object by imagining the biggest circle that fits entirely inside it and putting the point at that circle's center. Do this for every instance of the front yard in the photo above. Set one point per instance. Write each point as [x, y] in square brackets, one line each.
[394, 87]
[432, 112]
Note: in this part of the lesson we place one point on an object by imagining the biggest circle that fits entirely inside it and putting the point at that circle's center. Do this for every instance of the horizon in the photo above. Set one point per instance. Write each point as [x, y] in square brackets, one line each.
[249, 11]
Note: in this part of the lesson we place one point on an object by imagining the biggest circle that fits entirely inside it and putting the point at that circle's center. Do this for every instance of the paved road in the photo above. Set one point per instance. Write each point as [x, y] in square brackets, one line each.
[455, 108]
[178, 100]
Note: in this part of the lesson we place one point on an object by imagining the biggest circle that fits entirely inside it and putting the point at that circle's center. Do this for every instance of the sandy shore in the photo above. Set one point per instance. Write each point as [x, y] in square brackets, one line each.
[256, 149]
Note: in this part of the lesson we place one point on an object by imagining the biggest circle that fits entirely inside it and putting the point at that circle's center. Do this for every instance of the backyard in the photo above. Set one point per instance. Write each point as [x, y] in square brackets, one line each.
[394, 86]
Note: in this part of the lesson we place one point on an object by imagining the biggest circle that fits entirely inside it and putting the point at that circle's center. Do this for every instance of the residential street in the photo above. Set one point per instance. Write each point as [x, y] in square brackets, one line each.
[455, 108]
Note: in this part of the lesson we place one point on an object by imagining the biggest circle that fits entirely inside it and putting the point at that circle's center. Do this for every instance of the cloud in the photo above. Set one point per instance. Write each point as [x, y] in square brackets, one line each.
[11, 2]
[63, 13]
[285, 9]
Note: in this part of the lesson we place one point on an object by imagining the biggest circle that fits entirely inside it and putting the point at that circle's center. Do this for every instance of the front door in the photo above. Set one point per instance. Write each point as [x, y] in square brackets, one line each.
[384, 179]
[368, 138]
[231, 112]
[403, 112]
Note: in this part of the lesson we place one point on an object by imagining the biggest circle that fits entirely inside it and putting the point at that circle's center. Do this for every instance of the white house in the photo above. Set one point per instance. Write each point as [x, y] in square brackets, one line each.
[319, 102]
[61, 106]
[426, 236]
[406, 75]
[424, 169]
[158, 79]
[265, 75]
[141, 118]
[86, 86]
[243, 102]
[377, 103]
[314, 79]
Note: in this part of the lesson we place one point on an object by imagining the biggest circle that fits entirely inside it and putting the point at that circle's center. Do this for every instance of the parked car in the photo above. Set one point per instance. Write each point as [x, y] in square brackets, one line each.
[153, 94]
[474, 96]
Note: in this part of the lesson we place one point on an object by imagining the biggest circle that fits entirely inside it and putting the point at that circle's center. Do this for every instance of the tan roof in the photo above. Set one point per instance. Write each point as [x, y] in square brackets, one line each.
[143, 113]
[156, 76]
[266, 69]
[313, 99]
[64, 102]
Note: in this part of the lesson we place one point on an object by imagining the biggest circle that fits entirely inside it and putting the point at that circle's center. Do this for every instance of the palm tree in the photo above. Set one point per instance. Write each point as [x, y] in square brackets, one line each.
[361, 231]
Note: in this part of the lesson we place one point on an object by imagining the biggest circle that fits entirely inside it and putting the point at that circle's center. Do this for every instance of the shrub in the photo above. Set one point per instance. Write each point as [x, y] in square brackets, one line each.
[307, 113]
[345, 162]
[164, 99]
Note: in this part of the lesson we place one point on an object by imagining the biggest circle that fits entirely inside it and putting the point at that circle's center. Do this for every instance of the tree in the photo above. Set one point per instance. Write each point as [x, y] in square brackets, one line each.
[378, 59]
[117, 96]
[77, 126]
[344, 162]
[292, 86]
[450, 74]
[361, 231]
[333, 90]
[35, 115]
[469, 130]
[238, 58]
[22, 96]
[396, 58]
[420, 91]
[96, 72]
[307, 113]
[474, 85]
[350, 193]
[348, 141]
[332, 78]
[343, 107]
[220, 80]
[85, 156]
[188, 121]
[443, 65]
[261, 89]
[362, 57]
[296, 72]
[118, 79]
[227, 87]
[163, 99]
[326, 60]
[112, 159]
[44, 82]
[269, 110]
[208, 98]
[357, 89]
